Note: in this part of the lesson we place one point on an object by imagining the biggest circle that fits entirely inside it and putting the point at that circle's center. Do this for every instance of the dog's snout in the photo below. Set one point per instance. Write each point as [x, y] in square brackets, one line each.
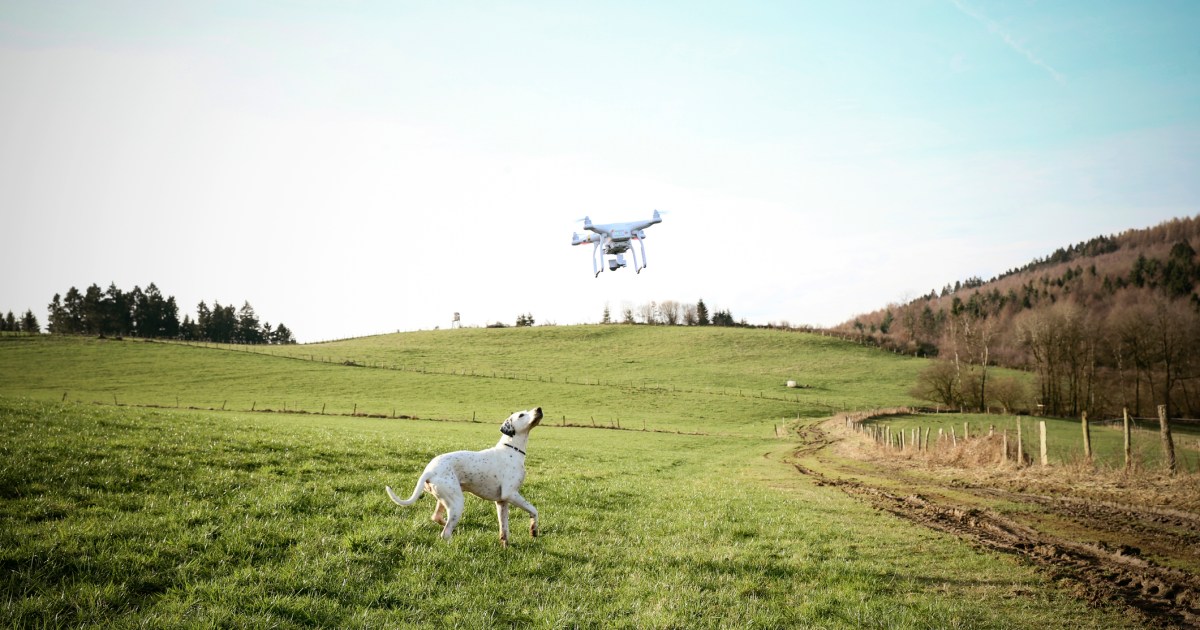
[537, 413]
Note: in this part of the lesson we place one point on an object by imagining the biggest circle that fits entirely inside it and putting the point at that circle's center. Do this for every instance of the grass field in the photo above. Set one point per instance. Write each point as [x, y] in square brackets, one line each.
[716, 380]
[156, 517]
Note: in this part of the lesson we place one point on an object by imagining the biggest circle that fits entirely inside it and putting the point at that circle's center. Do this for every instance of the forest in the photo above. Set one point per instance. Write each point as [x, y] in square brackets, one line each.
[147, 313]
[1108, 324]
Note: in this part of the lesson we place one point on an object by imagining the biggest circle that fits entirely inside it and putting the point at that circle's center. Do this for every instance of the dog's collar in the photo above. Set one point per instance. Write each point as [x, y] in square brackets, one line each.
[514, 448]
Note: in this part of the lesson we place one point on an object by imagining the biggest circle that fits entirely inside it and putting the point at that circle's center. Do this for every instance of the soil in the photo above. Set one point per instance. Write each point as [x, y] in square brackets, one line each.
[1116, 542]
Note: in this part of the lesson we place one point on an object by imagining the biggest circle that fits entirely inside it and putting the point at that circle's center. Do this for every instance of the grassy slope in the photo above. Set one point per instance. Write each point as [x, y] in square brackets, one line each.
[691, 379]
[124, 517]
[157, 517]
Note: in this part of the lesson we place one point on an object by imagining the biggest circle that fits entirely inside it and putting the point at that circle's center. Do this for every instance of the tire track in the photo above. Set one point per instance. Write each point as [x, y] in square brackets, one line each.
[1159, 596]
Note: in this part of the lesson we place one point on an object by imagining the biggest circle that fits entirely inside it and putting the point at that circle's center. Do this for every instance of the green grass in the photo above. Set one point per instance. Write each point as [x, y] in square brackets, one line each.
[713, 380]
[1064, 438]
[123, 517]
[148, 515]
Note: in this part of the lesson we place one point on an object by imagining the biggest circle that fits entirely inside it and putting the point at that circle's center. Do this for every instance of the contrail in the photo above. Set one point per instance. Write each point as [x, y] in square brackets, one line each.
[1008, 39]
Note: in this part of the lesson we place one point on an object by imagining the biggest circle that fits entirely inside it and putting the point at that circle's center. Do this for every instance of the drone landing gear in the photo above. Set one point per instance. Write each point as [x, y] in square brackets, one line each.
[600, 260]
[596, 269]
[642, 245]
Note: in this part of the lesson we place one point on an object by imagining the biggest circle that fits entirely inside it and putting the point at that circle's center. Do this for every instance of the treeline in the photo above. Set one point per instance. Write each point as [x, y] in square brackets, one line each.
[671, 313]
[147, 313]
[1111, 323]
[27, 323]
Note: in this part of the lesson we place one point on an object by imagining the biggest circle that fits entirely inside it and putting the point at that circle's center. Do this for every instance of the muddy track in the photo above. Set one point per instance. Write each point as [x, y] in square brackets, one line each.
[1158, 596]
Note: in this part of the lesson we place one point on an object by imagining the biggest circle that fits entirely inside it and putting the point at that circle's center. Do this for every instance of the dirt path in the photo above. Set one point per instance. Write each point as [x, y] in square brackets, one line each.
[1159, 596]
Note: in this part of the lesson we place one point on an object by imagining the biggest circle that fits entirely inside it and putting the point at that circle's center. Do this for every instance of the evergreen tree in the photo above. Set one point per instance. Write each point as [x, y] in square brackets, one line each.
[189, 330]
[222, 324]
[1180, 272]
[701, 313]
[200, 328]
[282, 335]
[29, 323]
[170, 319]
[73, 304]
[9, 324]
[93, 311]
[117, 311]
[57, 322]
[248, 330]
[607, 319]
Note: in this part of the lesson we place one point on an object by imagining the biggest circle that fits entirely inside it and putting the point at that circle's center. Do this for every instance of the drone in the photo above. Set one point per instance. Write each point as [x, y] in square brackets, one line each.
[616, 237]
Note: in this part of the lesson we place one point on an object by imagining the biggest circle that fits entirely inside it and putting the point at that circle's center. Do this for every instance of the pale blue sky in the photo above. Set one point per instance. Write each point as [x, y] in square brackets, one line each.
[362, 167]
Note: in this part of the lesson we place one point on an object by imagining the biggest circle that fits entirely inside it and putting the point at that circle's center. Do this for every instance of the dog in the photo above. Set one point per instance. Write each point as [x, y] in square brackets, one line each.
[494, 474]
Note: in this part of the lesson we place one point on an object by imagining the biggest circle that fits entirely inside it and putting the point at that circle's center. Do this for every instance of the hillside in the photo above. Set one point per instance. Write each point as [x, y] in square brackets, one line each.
[1109, 323]
[186, 502]
[706, 379]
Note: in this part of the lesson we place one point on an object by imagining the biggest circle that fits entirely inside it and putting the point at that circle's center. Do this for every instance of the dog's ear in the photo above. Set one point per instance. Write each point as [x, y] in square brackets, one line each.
[507, 428]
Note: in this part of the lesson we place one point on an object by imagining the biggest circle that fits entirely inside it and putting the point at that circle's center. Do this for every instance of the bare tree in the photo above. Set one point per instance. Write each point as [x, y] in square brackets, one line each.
[938, 383]
[648, 312]
[670, 311]
[689, 314]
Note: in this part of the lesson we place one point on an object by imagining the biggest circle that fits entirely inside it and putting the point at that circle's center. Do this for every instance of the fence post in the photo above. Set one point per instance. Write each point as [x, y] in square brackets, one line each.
[1042, 435]
[1164, 429]
[1128, 440]
[1004, 448]
[1087, 438]
[953, 438]
[1020, 445]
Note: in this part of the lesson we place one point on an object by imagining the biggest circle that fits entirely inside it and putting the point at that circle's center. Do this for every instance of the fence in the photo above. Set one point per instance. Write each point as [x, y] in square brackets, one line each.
[630, 384]
[1018, 442]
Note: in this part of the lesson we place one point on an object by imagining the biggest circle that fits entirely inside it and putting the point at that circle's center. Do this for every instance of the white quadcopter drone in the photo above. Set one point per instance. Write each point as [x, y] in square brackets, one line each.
[616, 237]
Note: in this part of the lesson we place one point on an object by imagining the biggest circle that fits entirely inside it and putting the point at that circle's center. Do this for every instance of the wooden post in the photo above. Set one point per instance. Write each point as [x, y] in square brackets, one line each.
[966, 430]
[927, 431]
[1020, 445]
[1042, 435]
[953, 438]
[1128, 440]
[1164, 429]
[1004, 448]
[1087, 438]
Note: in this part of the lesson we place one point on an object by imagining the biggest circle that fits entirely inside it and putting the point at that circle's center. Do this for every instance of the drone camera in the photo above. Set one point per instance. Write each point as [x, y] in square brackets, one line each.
[616, 263]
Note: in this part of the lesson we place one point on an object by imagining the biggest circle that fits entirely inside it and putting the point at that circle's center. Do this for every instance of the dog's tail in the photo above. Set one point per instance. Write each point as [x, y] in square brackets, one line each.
[417, 492]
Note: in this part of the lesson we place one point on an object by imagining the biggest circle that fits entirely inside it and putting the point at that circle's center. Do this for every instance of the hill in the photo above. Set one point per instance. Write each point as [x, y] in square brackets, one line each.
[141, 514]
[1109, 323]
[692, 379]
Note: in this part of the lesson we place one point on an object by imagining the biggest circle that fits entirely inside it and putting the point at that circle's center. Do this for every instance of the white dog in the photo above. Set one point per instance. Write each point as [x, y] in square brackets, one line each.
[494, 474]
